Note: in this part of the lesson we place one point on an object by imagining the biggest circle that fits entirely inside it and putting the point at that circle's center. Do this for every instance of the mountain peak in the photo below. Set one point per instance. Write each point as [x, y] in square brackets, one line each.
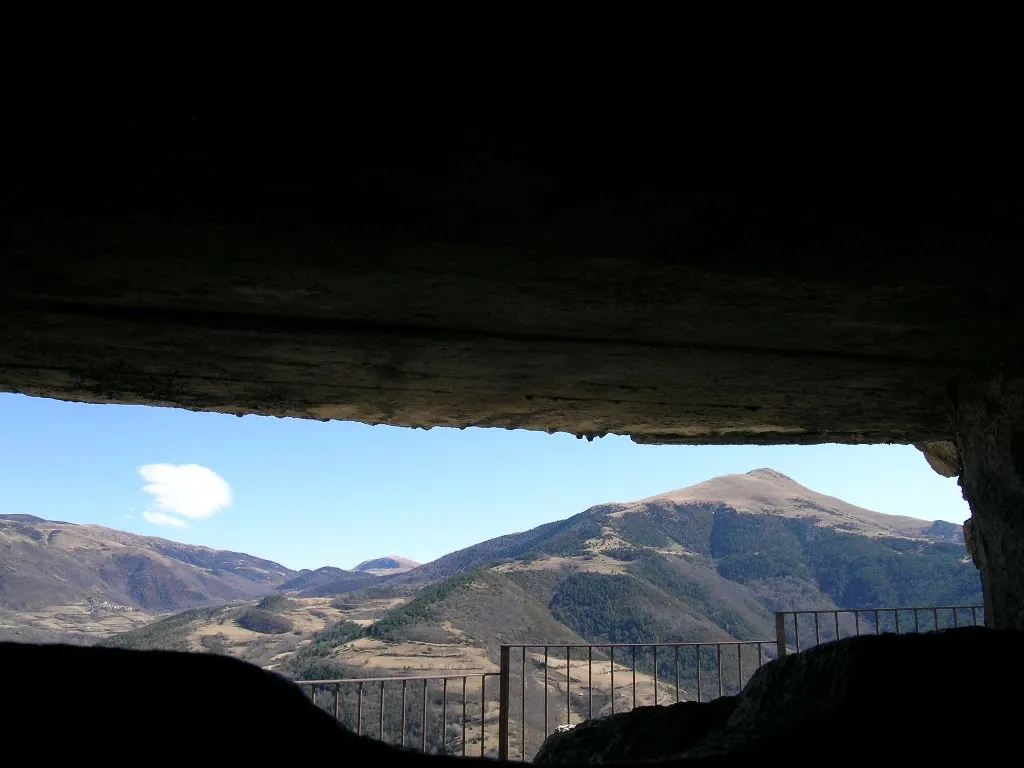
[387, 565]
[767, 473]
[18, 518]
[766, 491]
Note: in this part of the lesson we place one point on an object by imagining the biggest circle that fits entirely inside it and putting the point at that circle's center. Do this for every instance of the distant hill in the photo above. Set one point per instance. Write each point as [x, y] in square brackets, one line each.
[267, 632]
[328, 582]
[941, 530]
[60, 581]
[391, 565]
[306, 579]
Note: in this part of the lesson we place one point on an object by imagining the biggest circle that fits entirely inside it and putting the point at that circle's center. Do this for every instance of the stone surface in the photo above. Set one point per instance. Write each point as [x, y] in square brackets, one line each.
[885, 687]
[971, 543]
[917, 699]
[856, 700]
[625, 270]
[237, 713]
[645, 733]
[990, 429]
[942, 456]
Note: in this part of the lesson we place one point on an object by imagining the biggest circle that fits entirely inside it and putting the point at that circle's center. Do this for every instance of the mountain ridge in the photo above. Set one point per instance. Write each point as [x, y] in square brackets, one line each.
[56, 577]
[328, 581]
[684, 566]
[761, 491]
[389, 565]
[764, 543]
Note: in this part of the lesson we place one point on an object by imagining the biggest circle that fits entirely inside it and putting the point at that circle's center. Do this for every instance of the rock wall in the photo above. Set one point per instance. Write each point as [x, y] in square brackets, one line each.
[859, 699]
[629, 269]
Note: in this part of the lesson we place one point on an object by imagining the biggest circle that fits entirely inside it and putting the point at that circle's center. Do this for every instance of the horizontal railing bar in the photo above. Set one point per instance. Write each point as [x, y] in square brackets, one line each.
[869, 610]
[639, 645]
[395, 679]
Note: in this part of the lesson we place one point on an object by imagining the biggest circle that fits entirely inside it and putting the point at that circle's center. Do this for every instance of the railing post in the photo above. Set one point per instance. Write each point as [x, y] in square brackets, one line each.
[504, 691]
[780, 633]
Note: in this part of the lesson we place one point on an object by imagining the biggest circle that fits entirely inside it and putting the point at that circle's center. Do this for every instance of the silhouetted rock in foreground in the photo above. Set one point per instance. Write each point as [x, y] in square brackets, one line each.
[851, 700]
[916, 699]
[646, 733]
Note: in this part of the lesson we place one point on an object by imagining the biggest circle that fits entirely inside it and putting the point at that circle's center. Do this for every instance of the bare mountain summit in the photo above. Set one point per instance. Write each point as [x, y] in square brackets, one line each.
[387, 566]
[765, 491]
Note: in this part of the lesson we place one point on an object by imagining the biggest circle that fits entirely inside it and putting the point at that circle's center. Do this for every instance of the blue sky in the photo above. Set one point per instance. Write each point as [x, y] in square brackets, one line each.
[307, 494]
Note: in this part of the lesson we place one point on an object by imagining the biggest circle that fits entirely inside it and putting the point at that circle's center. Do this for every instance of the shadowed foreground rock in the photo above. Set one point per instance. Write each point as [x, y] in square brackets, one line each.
[645, 733]
[931, 698]
[940, 696]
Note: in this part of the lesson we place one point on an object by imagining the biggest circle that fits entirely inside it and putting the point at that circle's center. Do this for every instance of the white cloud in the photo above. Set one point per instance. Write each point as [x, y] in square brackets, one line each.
[183, 490]
[162, 518]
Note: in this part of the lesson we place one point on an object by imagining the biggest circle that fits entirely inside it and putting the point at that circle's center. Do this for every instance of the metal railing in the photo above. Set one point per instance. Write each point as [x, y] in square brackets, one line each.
[654, 673]
[871, 620]
[423, 721]
[541, 685]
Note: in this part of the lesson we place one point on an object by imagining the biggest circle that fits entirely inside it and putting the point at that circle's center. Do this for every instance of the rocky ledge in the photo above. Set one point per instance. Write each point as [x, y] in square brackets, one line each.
[937, 696]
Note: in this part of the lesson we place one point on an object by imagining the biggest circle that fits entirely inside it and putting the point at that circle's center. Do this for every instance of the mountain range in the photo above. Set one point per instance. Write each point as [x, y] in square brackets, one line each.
[61, 581]
[329, 581]
[707, 563]
[711, 561]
